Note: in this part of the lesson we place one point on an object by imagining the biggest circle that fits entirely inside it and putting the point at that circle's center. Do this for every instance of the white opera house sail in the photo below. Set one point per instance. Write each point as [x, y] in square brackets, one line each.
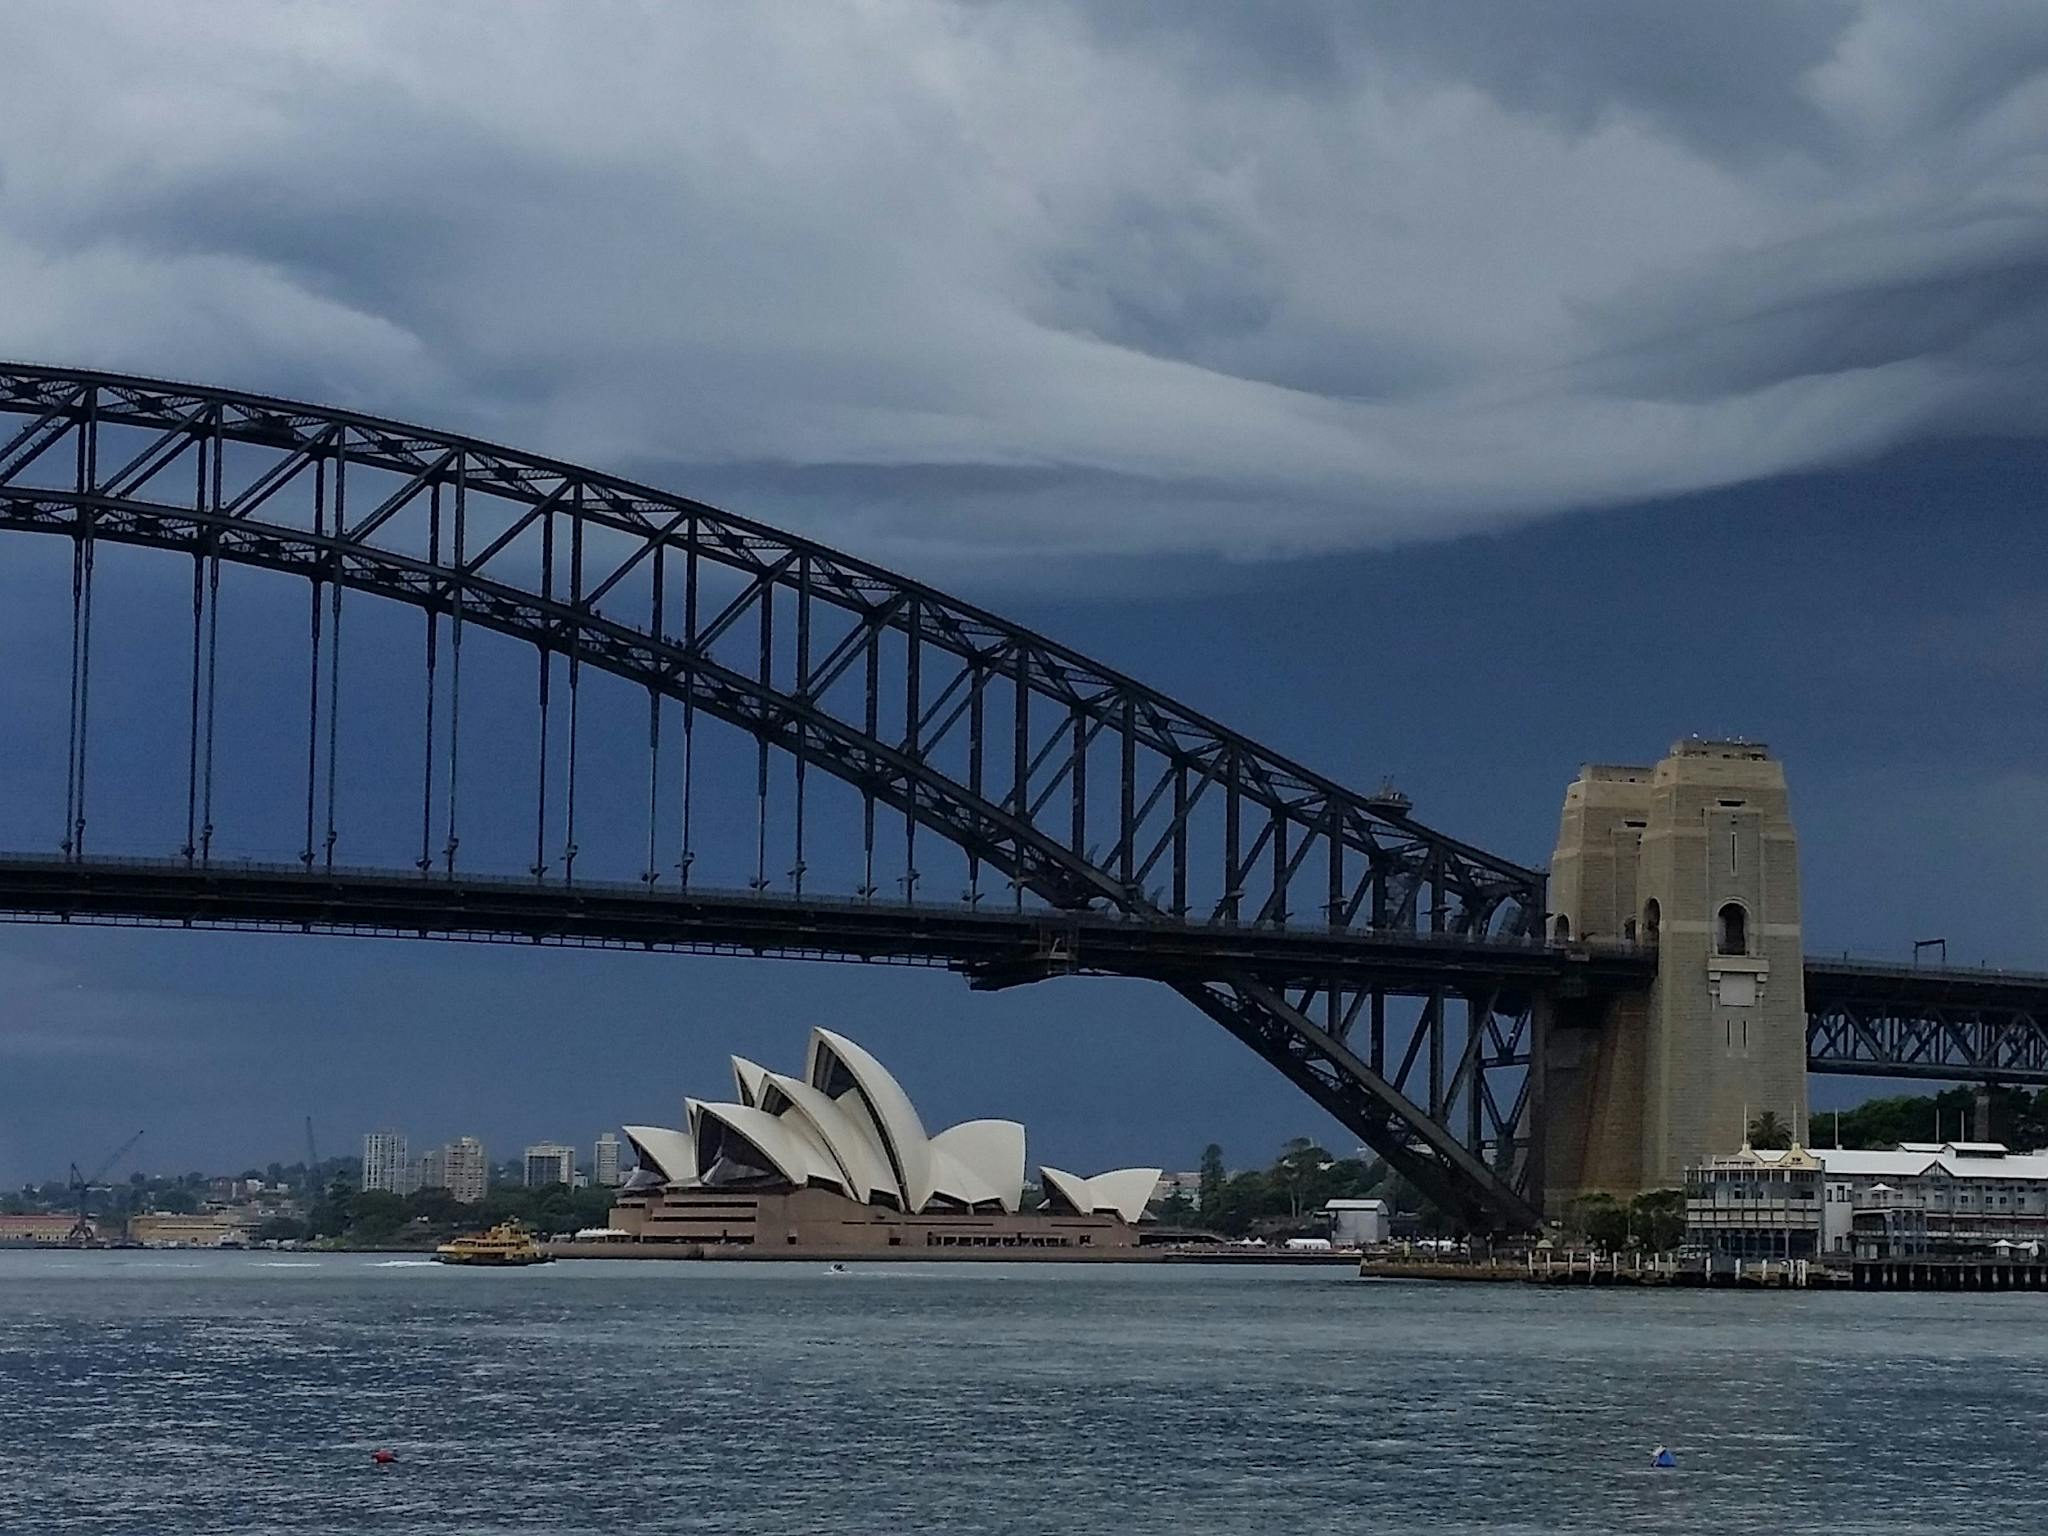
[837, 1160]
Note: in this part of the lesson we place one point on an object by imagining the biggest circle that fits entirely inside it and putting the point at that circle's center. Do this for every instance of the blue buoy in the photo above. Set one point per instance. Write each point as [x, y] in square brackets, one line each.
[1662, 1458]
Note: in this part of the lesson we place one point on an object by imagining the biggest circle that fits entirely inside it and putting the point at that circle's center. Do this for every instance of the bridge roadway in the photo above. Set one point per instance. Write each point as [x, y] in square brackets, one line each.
[993, 945]
[1947, 1023]
[1864, 1018]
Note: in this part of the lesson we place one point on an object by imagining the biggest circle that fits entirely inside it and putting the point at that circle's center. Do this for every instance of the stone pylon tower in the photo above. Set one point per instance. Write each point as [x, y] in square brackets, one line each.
[1696, 858]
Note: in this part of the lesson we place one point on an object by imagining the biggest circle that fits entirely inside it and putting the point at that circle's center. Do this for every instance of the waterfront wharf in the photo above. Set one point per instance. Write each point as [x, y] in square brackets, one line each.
[723, 1253]
[1932, 1274]
[1545, 1267]
[1581, 1267]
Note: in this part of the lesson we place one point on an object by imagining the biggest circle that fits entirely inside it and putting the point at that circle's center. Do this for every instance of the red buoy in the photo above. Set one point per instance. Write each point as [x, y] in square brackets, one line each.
[382, 1457]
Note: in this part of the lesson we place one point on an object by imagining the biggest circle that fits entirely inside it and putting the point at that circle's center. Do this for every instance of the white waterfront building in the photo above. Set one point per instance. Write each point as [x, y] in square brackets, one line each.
[1920, 1197]
[1358, 1223]
[1948, 1196]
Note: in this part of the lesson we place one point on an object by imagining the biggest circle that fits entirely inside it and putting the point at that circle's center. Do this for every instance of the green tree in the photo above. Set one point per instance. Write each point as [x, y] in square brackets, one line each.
[175, 1200]
[1244, 1199]
[1177, 1210]
[437, 1207]
[332, 1213]
[376, 1216]
[2018, 1118]
[1299, 1171]
[1278, 1200]
[1210, 1189]
[1602, 1221]
[1767, 1133]
[1657, 1217]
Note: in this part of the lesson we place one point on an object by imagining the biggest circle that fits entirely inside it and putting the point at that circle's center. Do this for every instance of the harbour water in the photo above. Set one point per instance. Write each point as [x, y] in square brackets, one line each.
[168, 1393]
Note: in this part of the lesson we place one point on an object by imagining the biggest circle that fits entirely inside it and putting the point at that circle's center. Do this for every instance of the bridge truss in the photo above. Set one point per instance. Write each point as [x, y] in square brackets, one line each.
[917, 782]
[1953, 1025]
[1088, 823]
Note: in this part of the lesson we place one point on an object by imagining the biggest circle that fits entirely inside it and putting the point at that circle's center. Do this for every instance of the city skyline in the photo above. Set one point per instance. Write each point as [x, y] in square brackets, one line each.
[398, 1150]
[463, 1168]
[509, 1165]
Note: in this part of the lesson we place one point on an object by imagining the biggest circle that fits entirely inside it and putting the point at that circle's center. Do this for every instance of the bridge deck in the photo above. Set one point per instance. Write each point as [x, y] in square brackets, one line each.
[1845, 979]
[1865, 1018]
[992, 944]
[1950, 1024]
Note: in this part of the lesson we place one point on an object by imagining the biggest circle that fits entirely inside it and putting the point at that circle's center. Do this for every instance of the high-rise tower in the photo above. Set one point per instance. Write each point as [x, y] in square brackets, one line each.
[384, 1162]
[604, 1162]
[468, 1169]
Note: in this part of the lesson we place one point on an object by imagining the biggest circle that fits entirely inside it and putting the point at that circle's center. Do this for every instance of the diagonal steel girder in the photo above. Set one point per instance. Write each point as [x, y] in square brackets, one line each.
[1329, 1071]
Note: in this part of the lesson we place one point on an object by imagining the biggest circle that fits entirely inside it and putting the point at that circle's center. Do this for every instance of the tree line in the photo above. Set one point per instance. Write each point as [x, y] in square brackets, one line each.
[376, 1218]
[2018, 1118]
[1284, 1198]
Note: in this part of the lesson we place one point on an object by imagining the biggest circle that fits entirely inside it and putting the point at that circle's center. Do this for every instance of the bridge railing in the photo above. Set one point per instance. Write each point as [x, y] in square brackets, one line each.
[224, 872]
[1850, 966]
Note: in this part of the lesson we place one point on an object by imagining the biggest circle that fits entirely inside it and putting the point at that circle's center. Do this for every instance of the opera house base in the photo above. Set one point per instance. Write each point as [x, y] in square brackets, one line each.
[819, 1223]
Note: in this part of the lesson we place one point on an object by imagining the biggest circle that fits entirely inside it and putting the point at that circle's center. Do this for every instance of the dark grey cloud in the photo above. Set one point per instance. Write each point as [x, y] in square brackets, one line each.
[58, 1015]
[1724, 79]
[1091, 279]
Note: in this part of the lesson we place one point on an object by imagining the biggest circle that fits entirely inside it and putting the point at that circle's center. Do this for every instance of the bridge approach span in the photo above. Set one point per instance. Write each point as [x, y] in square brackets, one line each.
[1947, 1023]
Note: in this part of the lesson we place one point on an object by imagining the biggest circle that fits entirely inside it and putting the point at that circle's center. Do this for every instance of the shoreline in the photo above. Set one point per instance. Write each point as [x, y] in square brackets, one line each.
[713, 1253]
[733, 1253]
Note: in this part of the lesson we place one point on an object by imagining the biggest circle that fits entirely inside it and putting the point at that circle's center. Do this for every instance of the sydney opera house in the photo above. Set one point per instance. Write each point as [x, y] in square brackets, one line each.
[837, 1161]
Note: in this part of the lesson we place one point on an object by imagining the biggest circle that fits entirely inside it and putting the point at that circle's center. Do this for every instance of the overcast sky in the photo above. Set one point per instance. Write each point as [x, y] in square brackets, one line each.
[1450, 391]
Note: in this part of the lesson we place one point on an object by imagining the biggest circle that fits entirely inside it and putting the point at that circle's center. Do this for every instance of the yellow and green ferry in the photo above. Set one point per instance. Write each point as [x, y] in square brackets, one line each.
[505, 1246]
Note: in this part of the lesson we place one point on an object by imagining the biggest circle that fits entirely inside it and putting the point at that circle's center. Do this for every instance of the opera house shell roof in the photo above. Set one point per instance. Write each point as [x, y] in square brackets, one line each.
[846, 1125]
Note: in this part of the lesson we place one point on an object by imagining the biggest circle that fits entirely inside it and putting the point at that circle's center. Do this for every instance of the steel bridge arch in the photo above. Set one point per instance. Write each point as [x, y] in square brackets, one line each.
[1381, 871]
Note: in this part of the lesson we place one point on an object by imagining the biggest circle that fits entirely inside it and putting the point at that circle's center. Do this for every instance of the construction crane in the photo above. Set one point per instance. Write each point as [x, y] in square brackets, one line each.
[82, 1183]
[82, 1186]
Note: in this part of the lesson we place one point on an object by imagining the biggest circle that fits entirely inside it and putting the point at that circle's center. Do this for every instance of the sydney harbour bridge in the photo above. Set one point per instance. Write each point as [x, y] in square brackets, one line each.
[336, 674]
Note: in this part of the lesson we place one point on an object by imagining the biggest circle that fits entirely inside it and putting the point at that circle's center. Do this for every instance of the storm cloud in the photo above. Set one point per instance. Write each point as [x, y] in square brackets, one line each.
[955, 283]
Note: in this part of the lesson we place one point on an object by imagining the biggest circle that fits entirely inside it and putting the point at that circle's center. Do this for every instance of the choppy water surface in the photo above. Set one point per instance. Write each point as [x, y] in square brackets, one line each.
[158, 1393]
